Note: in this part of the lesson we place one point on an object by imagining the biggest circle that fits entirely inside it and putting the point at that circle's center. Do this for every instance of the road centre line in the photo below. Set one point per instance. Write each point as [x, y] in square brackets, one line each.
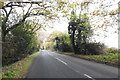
[88, 76]
[72, 69]
[49, 53]
[58, 59]
[61, 61]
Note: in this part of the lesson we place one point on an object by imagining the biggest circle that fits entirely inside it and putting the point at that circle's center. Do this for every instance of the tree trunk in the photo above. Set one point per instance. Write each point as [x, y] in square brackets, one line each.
[3, 36]
[73, 42]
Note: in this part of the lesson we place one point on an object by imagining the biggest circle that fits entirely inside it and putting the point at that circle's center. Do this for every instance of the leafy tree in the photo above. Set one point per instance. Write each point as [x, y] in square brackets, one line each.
[19, 43]
[11, 18]
[80, 32]
[61, 41]
[51, 38]
[53, 35]
[18, 31]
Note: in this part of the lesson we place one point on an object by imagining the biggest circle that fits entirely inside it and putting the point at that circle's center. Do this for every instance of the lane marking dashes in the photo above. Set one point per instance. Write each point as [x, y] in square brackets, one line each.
[61, 61]
[49, 53]
[88, 76]
[72, 69]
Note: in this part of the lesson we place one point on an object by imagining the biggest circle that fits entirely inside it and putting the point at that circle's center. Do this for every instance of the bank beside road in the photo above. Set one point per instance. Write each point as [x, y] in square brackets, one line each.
[20, 68]
[109, 59]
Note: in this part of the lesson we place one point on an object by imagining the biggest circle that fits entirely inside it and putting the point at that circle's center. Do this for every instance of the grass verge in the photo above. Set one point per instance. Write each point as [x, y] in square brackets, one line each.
[109, 59]
[18, 69]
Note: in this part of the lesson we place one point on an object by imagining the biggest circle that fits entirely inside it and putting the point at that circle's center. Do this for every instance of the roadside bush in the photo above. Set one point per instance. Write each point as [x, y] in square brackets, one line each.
[19, 43]
[112, 50]
[95, 48]
[9, 53]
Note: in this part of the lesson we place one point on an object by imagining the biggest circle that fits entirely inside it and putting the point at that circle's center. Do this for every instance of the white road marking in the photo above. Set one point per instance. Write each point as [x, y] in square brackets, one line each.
[61, 61]
[88, 76]
[67, 65]
[49, 53]
[57, 59]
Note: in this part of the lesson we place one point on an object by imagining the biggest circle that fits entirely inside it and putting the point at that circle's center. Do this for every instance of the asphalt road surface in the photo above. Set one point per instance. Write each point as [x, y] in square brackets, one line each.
[53, 65]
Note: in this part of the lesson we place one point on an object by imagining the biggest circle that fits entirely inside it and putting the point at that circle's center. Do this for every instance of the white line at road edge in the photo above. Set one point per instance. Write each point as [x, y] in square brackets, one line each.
[88, 76]
[61, 61]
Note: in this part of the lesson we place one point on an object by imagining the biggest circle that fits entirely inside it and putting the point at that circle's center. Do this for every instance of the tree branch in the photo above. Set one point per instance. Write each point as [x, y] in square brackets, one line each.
[28, 13]
[5, 11]
[28, 10]
[7, 14]
[15, 25]
[25, 16]
[36, 29]
[10, 4]
[4, 22]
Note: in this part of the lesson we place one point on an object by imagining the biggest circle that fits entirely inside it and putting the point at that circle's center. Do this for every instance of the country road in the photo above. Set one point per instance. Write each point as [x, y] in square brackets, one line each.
[52, 65]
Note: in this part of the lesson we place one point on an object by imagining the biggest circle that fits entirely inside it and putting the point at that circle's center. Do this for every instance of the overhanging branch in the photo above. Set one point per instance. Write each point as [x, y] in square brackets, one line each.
[19, 4]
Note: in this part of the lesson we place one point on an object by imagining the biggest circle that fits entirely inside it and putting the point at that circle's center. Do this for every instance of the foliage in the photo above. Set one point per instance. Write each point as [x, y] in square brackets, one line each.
[95, 48]
[110, 59]
[51, 40]
[12, 18]
[109, 56]
[18, 69]
[18, 37]
[112, 50]
[19, 43]
[80, 31]
[53, 35]
[63, 43]
[60, 41]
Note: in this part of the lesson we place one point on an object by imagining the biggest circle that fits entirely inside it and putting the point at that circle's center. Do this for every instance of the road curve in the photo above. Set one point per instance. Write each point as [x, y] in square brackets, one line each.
[52, 65]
